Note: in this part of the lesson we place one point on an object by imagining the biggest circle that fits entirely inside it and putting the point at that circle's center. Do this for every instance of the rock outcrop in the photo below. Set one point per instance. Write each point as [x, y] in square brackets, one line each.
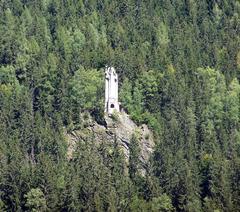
[119, 129]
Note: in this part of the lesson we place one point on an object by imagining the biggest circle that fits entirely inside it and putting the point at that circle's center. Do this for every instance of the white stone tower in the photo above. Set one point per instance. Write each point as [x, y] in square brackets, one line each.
[111, 90]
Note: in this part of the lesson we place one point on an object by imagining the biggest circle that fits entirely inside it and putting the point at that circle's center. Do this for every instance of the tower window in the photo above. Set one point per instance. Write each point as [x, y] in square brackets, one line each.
[112, 105]
[115, 80]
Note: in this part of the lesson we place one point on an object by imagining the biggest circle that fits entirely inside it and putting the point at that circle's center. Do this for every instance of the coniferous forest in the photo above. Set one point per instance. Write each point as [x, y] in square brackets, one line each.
[179, 67]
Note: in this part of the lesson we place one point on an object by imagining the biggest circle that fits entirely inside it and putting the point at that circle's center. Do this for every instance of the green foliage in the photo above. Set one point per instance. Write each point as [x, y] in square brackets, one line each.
[139, 205]
[2, 205]
[8, 81]
[162, 203]
[126, 95]
[178, 65]
[35, 200]
[86, 93]
[85, 88]
[115, 116]
[134, 158]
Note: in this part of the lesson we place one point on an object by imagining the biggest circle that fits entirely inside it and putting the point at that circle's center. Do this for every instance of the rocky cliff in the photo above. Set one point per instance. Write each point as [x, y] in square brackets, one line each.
[119, 129]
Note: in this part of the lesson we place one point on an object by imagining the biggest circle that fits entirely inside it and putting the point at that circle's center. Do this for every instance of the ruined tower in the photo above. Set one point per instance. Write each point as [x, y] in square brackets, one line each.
[111, 90]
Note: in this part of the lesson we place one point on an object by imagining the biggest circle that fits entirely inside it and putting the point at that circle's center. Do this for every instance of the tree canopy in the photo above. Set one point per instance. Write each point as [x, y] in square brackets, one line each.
[179, 69]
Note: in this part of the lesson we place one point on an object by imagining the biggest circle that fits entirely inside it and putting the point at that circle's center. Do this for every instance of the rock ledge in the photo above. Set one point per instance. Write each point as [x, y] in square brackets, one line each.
[119, 129]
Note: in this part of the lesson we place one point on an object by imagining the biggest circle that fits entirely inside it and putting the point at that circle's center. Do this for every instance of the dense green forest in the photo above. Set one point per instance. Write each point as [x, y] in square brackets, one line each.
[179, 68]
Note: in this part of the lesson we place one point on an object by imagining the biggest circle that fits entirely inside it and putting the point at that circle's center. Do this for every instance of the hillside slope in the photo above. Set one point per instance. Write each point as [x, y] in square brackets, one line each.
[178, 63]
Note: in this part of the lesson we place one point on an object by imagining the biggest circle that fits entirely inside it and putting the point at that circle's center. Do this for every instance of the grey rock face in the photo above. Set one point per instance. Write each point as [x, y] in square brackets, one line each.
[119, 129]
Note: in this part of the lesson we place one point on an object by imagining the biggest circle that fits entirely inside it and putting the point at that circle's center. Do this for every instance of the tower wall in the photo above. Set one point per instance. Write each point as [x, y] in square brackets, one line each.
[111, 90]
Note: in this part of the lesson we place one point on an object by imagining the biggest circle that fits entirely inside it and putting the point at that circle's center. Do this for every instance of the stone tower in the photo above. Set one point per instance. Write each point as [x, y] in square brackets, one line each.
[111, 90]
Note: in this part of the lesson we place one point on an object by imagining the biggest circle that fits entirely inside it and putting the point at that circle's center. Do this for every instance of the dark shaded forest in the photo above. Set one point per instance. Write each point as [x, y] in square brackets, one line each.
[179, 68]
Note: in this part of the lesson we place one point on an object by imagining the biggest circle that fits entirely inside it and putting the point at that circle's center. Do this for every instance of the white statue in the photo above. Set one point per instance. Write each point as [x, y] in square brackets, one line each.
[111, 90]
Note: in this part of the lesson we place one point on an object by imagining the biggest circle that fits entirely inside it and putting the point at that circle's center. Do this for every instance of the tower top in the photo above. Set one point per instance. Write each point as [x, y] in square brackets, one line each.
[110, 71]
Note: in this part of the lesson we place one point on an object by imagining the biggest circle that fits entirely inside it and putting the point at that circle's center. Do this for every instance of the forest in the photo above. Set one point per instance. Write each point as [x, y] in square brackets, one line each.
[179, 69]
